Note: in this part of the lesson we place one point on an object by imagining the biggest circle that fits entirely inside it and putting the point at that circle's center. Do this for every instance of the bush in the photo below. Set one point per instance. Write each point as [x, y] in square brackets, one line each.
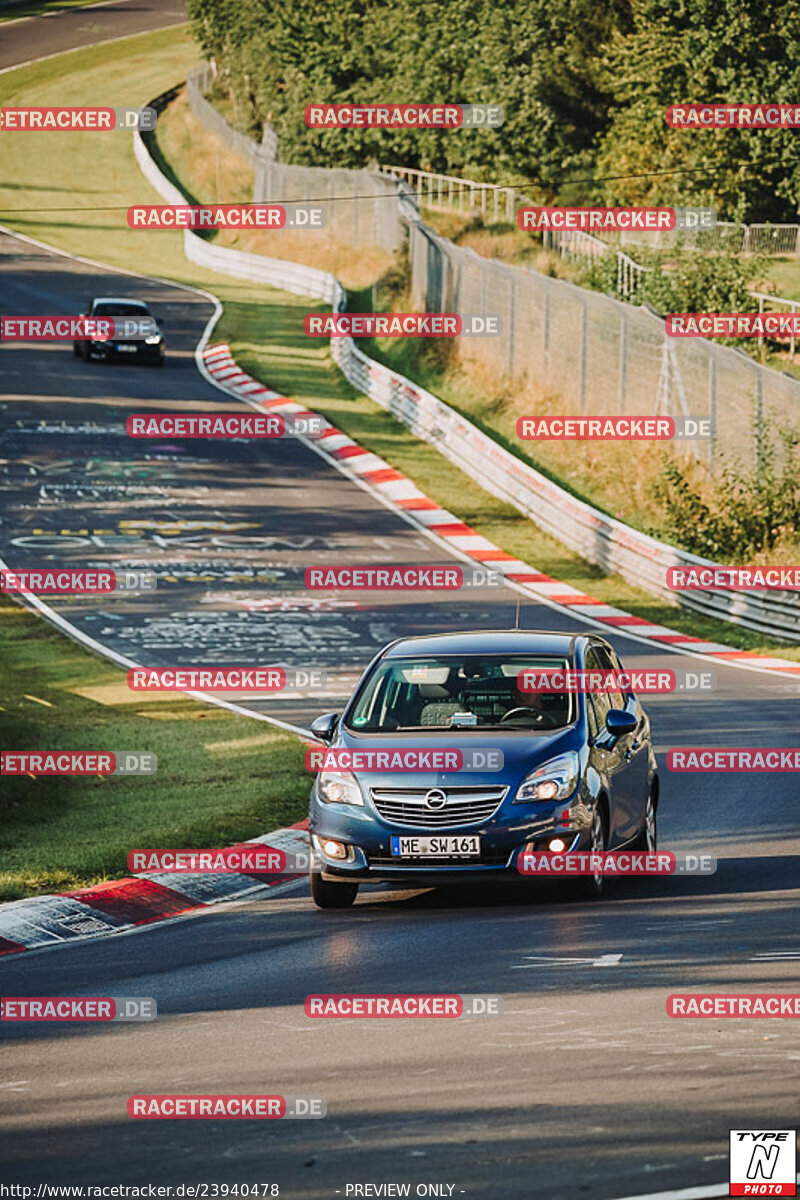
[748, 514]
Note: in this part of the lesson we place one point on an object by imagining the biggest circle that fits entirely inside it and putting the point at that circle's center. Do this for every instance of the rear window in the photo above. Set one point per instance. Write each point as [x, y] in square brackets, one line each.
[474, 691]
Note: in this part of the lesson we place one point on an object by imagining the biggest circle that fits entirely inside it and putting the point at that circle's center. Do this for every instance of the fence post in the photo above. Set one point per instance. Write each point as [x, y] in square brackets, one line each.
[546, 334]
[712, 407]
[509, 328]
[584, 331]
[759, 418]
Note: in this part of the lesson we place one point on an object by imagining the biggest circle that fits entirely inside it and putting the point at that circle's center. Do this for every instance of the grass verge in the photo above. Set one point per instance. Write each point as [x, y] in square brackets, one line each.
[220, 778]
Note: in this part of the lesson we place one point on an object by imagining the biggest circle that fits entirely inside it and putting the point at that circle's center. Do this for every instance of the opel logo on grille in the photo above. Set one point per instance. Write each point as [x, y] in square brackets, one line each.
[435, 798]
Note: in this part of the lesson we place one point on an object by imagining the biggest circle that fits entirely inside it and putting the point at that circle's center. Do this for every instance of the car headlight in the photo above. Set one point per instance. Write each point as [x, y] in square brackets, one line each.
[338, 788]
[153, 339]
[553, 780]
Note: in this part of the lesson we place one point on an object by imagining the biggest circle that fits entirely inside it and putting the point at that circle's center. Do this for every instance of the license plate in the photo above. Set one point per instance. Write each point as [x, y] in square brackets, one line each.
[126, 349]
[436, 847]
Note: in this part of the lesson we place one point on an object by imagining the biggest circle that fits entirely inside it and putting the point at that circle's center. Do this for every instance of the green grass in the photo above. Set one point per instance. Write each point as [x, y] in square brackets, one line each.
[263, 326]
[220, 778]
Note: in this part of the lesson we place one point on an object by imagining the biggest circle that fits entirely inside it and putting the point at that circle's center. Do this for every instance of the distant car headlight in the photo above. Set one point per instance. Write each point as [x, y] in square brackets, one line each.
[553, 780]
[338, 788]
[153, 339]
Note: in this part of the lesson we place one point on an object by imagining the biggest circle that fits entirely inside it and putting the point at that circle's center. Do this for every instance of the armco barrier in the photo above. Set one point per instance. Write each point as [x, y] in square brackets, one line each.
[598, 538]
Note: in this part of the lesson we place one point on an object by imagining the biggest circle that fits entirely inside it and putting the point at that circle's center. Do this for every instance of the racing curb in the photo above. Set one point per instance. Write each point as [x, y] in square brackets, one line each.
[390, 485]
[124, 904]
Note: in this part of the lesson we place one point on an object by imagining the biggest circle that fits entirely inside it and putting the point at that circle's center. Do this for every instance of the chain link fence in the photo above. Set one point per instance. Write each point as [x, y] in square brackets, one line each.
[597, 355]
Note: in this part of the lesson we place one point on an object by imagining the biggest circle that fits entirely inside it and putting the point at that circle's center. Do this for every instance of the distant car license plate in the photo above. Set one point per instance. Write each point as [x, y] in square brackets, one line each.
[126, 349]
[436, 847]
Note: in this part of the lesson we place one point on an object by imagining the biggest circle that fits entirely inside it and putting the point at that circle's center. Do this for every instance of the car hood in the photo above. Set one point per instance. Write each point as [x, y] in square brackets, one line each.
[522, 753]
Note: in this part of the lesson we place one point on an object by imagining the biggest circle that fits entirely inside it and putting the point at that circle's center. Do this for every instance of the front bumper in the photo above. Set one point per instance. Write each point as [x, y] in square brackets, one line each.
[136, 351]
[501, 840]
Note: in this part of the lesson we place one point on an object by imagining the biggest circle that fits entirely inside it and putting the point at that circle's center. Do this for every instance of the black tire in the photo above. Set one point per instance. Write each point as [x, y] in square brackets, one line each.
[76, 350]
[648, 835]
[87, 355]
[594, 887]
[328, 894]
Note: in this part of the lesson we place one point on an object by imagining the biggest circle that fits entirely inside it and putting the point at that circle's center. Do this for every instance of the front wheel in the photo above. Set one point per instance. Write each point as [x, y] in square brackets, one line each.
[592, 887]
[328, 894]
[648, 835]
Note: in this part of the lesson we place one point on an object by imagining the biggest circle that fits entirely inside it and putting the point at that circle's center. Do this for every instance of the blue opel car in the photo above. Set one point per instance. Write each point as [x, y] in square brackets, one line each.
[578, 770]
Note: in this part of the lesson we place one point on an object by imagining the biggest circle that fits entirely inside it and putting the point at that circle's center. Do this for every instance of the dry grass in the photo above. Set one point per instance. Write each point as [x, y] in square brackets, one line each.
[213, 174]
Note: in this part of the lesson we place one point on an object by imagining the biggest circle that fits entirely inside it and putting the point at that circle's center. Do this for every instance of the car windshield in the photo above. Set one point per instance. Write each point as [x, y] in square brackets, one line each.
[120, 309]
[454, 692]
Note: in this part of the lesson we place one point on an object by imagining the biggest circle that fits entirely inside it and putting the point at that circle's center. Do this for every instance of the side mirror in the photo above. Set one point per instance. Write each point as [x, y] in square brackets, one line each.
[619, 722]
[323, 727]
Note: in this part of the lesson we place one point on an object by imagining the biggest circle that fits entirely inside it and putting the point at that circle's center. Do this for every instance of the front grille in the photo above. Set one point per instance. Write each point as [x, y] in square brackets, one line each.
[464, 806]
[433, 864]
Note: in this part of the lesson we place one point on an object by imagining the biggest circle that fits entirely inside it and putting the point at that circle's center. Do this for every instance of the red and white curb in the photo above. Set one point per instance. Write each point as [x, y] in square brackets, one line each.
[400, 492]
[124, 904]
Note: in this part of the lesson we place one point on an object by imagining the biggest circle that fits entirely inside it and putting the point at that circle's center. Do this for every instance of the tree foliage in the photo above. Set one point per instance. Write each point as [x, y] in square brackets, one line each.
[584, 86]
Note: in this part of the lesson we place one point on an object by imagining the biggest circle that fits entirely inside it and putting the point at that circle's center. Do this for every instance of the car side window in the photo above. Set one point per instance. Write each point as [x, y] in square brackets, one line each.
[598, 702]
[610, 662]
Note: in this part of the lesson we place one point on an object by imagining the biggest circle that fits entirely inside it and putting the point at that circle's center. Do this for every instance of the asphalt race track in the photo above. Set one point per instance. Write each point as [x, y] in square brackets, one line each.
[584, 1086]
[28, 38]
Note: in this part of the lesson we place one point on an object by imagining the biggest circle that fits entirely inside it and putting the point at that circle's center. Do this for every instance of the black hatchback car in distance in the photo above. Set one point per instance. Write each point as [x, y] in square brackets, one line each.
[144, 349]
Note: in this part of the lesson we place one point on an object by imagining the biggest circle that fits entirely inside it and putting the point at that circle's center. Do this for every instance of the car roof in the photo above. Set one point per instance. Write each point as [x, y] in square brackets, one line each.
[119, 300]
[483, 641]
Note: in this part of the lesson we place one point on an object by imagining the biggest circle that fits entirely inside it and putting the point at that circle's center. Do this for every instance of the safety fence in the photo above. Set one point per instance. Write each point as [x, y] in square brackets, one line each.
[499, 203]
[598, 538]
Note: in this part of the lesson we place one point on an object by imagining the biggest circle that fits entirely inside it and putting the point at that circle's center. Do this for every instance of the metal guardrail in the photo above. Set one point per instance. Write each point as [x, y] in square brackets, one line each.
[598, 538]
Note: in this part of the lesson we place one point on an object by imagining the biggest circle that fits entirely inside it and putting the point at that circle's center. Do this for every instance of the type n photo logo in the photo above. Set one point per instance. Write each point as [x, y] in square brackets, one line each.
[763, 1162]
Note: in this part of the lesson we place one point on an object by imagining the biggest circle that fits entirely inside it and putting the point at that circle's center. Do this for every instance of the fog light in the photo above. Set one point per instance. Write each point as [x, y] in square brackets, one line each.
[557, 845]
[334, 849]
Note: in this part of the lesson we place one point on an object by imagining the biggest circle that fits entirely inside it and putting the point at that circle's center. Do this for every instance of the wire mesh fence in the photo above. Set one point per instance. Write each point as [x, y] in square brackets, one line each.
[595, 354]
